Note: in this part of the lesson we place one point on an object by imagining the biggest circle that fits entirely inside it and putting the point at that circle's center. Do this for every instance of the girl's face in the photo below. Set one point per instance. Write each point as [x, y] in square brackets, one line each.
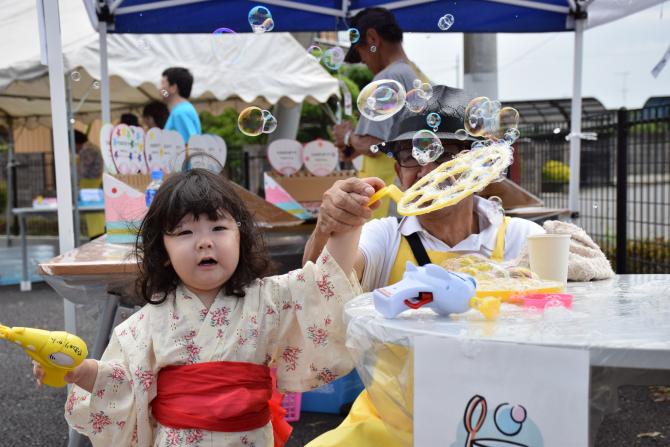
[204, 253]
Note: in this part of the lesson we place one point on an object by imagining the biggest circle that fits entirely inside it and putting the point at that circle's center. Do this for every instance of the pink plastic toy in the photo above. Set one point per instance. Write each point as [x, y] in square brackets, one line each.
[541, 300]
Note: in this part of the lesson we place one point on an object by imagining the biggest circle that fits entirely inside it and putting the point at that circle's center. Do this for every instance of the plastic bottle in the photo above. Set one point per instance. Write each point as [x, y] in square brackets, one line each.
[152, 188]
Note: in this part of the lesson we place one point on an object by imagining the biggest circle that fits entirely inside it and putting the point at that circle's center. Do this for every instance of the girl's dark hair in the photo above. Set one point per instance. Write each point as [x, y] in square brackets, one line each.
[195, 192]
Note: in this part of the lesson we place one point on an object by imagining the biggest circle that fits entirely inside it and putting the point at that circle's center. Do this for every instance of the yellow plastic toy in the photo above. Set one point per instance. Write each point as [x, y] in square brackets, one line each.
[450, 182]
[58, 352]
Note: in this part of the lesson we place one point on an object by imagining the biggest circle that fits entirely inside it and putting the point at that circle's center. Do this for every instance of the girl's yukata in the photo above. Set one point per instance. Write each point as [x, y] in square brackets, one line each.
[179, 365]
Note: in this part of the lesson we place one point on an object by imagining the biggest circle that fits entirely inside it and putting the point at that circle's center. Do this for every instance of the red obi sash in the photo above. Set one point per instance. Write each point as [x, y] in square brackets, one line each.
[220, 396]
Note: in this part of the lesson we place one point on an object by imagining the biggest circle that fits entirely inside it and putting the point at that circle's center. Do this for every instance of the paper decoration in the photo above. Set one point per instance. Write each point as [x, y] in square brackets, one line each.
[155, 154]
[212, 145]
[320, 157]
[278, 196]
[482, 393]
[127, 155]
[173, 143]
[137, 136]
[285, 156]
[125, 208]
[106, 147]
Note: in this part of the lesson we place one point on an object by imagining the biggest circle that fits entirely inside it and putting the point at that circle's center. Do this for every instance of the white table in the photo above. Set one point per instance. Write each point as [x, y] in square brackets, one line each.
[623, 322]
[22, 214]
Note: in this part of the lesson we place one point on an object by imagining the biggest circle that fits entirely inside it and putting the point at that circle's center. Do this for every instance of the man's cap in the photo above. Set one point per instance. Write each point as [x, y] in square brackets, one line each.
[449, 103]
[379, 19]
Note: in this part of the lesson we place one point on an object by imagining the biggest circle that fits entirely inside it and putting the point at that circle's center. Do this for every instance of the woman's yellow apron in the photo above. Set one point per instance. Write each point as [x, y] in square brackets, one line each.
[383, 167]
[391, 388]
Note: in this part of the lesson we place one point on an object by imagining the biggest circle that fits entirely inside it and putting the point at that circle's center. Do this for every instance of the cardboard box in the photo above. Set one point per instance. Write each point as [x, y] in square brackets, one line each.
[125, 207]
[308, 189]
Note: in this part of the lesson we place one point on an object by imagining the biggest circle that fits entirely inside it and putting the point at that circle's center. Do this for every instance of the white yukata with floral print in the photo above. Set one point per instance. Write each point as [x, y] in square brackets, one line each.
[293, 321]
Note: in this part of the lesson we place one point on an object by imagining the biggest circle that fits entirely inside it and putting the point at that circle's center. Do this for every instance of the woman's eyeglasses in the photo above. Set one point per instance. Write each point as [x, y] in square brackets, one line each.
[403, 155]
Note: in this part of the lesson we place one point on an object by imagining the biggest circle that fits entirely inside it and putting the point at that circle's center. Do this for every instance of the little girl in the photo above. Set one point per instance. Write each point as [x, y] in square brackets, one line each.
[191, 368]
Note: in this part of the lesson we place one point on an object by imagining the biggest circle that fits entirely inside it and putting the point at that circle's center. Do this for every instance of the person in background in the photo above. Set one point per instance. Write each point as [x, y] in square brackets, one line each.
[380, 48]
[176, 86]
[89, 172]
[129, 119]
[155, 114]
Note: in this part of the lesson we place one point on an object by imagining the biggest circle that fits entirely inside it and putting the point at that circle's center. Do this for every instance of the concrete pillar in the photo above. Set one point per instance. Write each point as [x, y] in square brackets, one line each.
[288, 117]
[480, 58]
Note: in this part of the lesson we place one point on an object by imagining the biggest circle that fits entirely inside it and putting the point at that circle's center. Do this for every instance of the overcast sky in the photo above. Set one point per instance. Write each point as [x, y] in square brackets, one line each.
[539, 66]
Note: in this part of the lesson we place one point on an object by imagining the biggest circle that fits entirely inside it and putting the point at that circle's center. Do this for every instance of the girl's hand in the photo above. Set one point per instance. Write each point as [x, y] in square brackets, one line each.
[84, 375]
[38, 373]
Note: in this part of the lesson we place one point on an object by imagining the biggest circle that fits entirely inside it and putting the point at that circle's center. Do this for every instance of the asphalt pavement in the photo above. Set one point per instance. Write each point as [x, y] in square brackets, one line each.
[34, 417]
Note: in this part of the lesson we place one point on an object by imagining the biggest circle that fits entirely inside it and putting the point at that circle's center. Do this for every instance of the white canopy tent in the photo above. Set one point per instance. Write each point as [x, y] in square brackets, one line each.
[228, 69]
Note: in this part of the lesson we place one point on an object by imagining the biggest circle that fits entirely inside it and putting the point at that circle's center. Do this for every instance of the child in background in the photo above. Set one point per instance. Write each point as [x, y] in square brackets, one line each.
[192, 367]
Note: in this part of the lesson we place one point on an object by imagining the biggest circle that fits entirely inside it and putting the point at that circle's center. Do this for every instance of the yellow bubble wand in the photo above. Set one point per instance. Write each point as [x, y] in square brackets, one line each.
[58, 352]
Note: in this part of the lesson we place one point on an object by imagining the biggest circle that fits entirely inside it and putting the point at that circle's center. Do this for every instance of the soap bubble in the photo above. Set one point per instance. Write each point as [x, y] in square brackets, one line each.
[426, 147]
[511, 135]
[445, 22]
[416, 101]
[461, 134]
[227, 45]
[382, 99]
[416, 83]
[509, 118]
[433, 120]
[75, 76]
[595, 206]
[480, 117]
[260, 19]
[96, 85]
[333, 58]
[143, 45]
[354, 35]
[315, 52]
[254, 121]
[374, 148]
[427, 90]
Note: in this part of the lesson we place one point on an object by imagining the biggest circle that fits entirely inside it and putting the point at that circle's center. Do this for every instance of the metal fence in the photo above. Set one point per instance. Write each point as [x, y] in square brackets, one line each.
[624, 182]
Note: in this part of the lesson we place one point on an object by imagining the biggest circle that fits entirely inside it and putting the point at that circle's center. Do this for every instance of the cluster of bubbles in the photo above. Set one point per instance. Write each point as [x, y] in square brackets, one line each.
[433, 120]
[380, 100]
[333, 58]
[487, 118]
[417, 98]
[315, 52]
[445, 22]
[354, 35]
[260, 19]
[426, 147]
[254, 121]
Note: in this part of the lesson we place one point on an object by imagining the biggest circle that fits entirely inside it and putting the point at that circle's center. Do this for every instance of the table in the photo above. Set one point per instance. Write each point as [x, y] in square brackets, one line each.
[22, 214]
[623, 322]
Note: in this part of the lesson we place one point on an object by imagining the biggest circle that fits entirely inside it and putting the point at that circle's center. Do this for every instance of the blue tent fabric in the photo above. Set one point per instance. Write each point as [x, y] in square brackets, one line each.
[207, 16]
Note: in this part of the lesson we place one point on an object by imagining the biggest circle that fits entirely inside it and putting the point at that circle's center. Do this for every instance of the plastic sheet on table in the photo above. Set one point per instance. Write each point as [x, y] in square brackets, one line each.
[623, 322]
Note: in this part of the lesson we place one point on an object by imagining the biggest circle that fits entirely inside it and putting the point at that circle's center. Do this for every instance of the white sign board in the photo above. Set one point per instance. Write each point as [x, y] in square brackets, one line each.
[127, 154]
[490, 394]
[212, 145]
[173, 143]
[320, 157]
[285, 156]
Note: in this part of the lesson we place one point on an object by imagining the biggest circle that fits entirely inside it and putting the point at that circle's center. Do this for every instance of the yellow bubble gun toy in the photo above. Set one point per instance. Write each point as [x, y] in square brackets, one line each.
[58, 352]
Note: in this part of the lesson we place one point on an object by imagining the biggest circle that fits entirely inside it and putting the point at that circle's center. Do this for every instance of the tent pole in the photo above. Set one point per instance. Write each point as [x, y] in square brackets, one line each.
[9, 203]
[59, 128]
[104, 73]
[73, 160]
[576, 119]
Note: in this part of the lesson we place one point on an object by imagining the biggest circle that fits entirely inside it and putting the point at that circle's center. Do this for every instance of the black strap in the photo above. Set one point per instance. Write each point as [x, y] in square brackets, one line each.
[418, 250]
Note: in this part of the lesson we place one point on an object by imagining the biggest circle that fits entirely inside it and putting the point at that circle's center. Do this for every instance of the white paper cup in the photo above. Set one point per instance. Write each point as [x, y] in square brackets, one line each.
[548, 256]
